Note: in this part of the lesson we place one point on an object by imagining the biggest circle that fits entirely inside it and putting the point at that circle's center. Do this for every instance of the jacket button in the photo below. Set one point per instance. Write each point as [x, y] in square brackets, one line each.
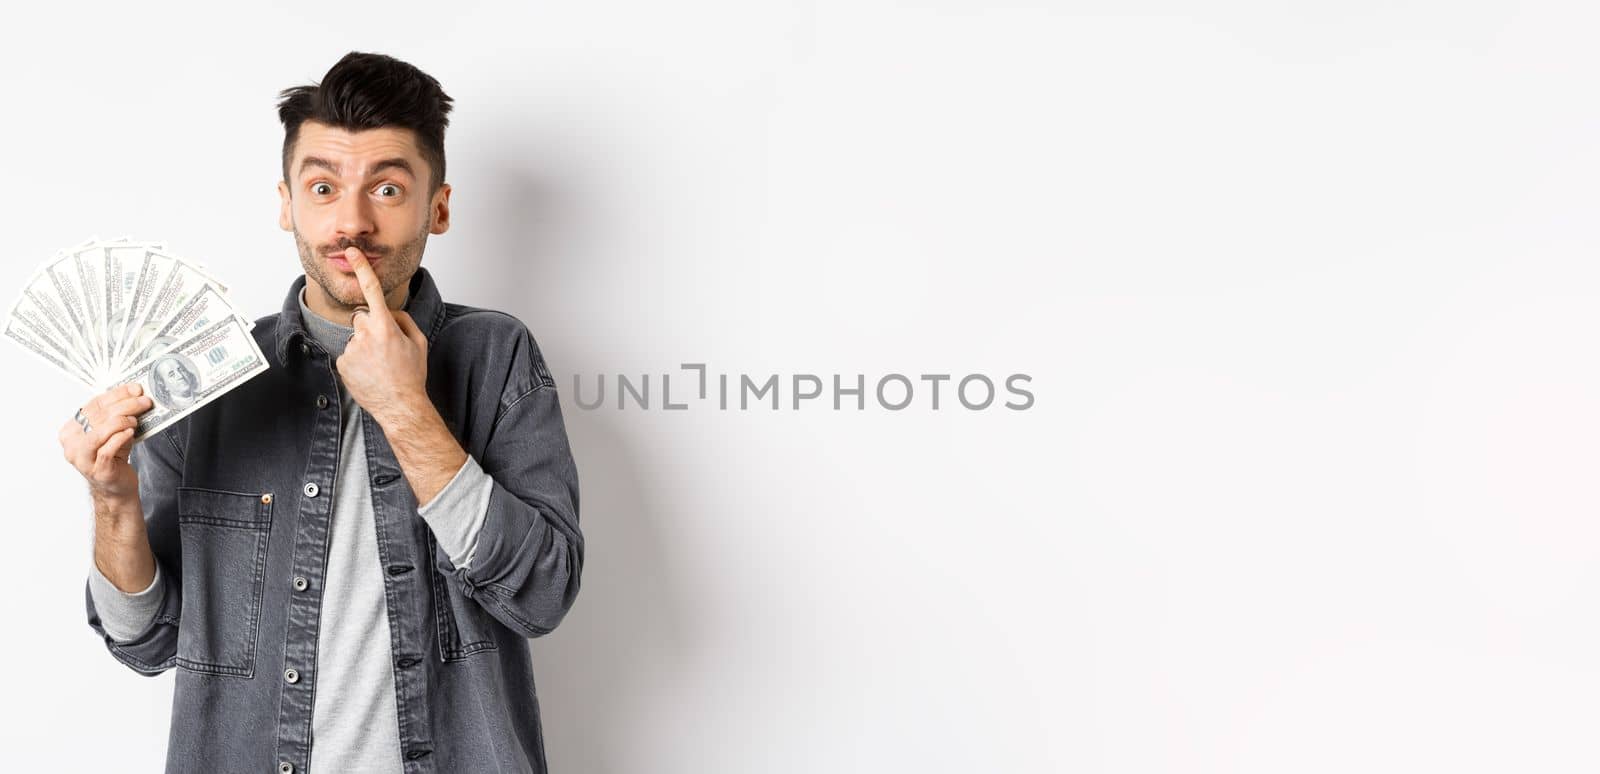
[322, 401]
[311, 489]
[405, 663]
[291, 676]
[305, 349]
[266, 499]
[300, 583]
[285, 767]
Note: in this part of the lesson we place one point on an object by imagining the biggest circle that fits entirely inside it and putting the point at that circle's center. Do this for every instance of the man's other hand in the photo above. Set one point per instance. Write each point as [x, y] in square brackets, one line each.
[385, 363]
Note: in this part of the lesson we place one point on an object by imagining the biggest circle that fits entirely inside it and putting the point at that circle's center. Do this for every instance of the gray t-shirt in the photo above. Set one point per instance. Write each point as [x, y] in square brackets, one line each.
[355, 726]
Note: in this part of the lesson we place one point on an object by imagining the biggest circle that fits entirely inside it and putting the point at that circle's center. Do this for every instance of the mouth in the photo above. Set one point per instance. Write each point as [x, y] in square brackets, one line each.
[338, 261]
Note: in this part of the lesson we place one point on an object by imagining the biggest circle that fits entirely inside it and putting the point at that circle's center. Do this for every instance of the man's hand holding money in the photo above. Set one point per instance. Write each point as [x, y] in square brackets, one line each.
[97, 440]
[156, 336]
[120, 312]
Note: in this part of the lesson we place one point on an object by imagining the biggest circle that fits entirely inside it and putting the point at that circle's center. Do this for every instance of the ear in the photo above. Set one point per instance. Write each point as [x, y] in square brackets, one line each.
[285, 216]
[440, 210]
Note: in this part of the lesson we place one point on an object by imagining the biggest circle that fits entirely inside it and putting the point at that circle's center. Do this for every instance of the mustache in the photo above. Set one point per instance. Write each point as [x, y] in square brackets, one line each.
[371, 249]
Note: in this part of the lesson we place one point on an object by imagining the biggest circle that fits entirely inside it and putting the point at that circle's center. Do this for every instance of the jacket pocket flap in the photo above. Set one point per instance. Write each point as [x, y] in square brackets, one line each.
[247, 508]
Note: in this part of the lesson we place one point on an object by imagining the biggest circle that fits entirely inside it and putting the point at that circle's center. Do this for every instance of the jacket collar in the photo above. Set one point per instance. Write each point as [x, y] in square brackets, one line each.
[422, 303]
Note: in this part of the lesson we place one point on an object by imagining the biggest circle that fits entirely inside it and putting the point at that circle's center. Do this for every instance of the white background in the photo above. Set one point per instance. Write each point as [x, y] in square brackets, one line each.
[1307, 293]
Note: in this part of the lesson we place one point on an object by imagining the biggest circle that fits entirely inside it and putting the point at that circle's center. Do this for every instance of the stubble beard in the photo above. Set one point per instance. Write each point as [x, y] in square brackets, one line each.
[398, 264]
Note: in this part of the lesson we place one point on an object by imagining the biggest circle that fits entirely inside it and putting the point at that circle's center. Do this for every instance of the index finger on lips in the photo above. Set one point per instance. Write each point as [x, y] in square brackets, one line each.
[370, 286]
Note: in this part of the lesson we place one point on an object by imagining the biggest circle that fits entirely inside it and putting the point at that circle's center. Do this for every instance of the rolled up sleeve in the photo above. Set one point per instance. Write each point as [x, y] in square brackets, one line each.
[456, 514]
[527, 560]
[125, 614]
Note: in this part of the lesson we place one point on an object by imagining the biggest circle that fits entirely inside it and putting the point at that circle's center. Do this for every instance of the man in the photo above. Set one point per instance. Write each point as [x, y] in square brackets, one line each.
[345, 556]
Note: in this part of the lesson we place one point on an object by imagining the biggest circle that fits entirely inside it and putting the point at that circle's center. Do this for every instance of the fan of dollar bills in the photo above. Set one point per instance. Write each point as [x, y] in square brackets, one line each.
[116, 312]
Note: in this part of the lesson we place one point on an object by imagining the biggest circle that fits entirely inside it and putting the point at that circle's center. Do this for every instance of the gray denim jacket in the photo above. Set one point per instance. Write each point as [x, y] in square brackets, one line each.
[237, 498]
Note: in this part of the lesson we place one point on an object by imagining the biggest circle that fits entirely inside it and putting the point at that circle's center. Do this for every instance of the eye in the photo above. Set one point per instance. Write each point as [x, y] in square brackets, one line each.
[388, 190]
[321, 189]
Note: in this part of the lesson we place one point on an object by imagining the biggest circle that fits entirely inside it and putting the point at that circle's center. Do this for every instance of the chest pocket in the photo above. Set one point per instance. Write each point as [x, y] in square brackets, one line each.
[464, 627]
[224, 537]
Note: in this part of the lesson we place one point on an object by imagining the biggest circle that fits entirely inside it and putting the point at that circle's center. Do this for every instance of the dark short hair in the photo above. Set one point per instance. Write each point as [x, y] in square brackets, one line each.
[369, 91]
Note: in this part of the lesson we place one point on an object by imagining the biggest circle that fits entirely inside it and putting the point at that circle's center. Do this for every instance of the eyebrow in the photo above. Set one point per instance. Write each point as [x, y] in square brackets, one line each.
[394, 163]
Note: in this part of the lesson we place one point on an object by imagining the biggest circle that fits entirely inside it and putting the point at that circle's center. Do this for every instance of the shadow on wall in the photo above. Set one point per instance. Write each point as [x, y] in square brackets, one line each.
[626, 641]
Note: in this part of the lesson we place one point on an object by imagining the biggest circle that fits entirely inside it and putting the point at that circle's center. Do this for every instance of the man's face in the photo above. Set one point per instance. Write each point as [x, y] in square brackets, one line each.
[367, 189]
[171, 373]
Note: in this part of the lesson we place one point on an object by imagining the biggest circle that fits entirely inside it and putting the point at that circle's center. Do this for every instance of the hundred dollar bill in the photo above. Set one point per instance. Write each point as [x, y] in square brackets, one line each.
[153, 273]
[91, 266]
[29, 316]
[205, 272]
[195, 372]
[181, 283]
[204, 310]
[61, 275]
[38, 306]
[103, 312]
[33, 339]
[125, 263]
[111, 300]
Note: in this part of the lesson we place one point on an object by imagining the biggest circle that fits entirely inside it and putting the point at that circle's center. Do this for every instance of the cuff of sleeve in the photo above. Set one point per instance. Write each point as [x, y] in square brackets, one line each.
[125, 614]
[456, 514]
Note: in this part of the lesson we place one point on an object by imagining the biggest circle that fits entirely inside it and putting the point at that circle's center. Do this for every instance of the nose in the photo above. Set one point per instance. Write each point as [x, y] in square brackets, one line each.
[354, 216]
